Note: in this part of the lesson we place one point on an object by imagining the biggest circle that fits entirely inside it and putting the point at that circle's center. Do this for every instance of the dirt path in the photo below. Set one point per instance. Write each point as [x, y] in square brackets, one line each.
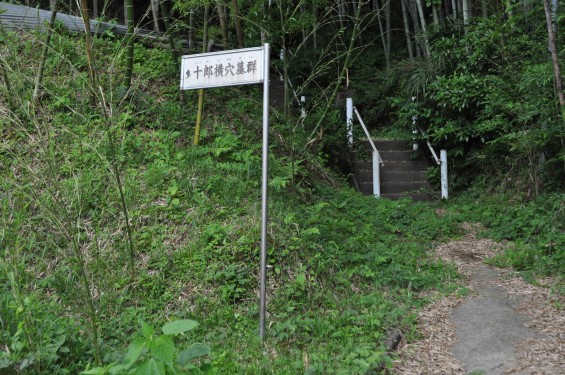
[505, 326]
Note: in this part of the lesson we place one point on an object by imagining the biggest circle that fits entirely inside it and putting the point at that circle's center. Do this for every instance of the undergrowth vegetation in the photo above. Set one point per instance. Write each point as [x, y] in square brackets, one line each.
[344, 270]
[535, 230]
[113, 223]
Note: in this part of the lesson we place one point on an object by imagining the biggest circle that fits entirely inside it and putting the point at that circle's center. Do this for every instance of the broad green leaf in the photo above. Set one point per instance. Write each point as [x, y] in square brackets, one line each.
[151, 367]
[135, 350]
[301, 280]
[95, 371]
[146, 329]
[179, 326]
[311, 231]
[163, 348]
[194, 351]
[118, 369]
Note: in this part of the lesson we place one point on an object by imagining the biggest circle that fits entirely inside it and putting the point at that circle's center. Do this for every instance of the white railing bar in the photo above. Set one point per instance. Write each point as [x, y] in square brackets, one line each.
[367, 134]
[438, 161]
[433, 153]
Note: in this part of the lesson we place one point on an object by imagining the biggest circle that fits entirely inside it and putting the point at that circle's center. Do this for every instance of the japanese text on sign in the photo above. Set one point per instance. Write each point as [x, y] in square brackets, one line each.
[226, 68]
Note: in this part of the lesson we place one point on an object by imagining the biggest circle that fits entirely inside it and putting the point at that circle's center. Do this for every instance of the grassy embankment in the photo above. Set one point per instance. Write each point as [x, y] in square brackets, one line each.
[344, 270]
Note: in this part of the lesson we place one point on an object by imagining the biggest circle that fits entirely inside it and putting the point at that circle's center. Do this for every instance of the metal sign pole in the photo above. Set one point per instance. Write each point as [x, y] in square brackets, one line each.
[264, 201]
[229, 68]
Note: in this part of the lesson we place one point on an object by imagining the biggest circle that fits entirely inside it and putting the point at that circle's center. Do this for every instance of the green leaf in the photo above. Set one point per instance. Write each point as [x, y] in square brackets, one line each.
[146, 329]
[194, 351]
[151, 367]
[135, 350]
[117, 369]
[163, 348]
[311, 231]
[301, 281]
[173, 189]
[179, 326]
[95, 371]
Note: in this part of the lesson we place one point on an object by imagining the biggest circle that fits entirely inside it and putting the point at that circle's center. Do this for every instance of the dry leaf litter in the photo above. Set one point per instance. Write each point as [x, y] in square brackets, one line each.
[431, 354]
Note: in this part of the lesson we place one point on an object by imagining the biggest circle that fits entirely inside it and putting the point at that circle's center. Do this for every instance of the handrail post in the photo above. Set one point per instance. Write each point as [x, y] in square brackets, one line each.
[444, 188]
[349, 120]
[376, 175]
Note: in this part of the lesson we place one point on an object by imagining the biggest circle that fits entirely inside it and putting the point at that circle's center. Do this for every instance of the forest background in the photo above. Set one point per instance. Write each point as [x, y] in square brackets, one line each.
[130, 211]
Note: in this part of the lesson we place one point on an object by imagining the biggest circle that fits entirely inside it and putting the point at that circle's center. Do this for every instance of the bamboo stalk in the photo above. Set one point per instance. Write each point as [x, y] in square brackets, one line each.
[556, 68]
[201, 91]
[238, 27]
[88, 47]
[130, 45]
[223, 23]
[407, 29]
[174, 53]
[340, 79]
[45, 50]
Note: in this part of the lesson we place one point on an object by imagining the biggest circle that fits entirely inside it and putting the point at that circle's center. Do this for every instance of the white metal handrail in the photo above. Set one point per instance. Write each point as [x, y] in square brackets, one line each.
[442, 162]
[376, 157]
[438, 161]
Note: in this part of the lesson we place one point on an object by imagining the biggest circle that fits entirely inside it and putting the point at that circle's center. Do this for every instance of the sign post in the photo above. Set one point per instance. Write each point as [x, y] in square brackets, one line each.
[230, 68]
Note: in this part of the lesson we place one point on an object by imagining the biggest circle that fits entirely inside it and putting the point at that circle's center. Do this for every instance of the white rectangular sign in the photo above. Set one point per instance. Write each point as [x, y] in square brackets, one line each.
[225, 68]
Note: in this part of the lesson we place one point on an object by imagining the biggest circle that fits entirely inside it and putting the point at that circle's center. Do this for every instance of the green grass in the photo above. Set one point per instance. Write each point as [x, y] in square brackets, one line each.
[343, 270]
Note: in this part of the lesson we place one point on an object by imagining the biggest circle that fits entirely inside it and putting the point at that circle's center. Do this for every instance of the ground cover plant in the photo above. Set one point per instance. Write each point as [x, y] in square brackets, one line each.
[344, 270]
[534, 229]
[126, 248]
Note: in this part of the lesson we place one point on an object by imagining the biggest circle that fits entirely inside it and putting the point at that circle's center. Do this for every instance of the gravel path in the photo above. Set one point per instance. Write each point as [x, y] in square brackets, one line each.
[505, 326]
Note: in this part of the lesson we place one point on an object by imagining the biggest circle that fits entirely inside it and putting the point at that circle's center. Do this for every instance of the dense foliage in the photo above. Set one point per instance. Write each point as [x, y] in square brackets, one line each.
[112, 223]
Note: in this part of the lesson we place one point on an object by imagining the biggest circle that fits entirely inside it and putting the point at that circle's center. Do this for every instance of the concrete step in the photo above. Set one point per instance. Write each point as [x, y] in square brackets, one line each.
[404, 174]
[389, 145]
[389, 156]
[416, 197]
[392, 175]
[399, 166]
[395, 187]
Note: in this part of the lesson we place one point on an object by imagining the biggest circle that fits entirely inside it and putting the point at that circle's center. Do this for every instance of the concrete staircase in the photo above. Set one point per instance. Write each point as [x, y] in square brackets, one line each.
[403, 175]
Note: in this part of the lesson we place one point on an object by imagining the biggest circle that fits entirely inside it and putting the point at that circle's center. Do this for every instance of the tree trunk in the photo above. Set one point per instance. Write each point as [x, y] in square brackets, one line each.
[191, 29]
[315, 25]
[424, 27]
[554, 9]
[407, 29]
[466, 11]
[383, 36]
[434, 14]
[172, 47]
[45, 50]
[388, 31]
[238, 27]
[556, 69]
[155, 12]
[454, 8]
[413, 11]
[223, 23]
[484, 8]
[94, 9]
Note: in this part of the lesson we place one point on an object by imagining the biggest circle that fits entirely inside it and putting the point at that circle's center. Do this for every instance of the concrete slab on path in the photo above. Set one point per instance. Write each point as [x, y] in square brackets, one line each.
[488, 327]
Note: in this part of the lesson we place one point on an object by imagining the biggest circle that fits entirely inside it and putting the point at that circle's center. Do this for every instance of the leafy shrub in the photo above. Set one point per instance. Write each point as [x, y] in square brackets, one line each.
[156, 354]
